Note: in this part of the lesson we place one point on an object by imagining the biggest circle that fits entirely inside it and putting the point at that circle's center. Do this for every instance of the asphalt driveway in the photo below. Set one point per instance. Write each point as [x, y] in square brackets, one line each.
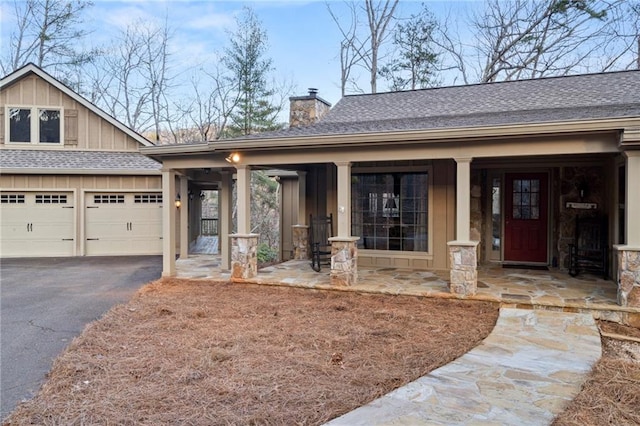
[46, 302]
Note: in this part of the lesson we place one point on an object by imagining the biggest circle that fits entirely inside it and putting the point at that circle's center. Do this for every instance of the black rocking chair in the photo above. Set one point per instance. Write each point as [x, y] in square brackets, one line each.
[321, 229]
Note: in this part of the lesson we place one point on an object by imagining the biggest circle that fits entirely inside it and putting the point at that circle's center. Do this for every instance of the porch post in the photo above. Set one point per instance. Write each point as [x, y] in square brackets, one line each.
[184, 217]
[344, 248]
[224, 219]
[344, 199]
[300, 231]
[244, 199]
[168, 223]
[302, 198]
[463, 256]
[629, 253]
[244, 244]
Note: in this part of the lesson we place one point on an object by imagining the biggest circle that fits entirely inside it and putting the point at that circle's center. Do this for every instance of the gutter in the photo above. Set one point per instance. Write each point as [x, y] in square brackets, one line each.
[112, 172]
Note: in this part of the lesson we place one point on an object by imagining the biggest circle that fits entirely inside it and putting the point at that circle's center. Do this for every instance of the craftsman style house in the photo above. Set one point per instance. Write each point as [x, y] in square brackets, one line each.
[73, 181]
[539, 172]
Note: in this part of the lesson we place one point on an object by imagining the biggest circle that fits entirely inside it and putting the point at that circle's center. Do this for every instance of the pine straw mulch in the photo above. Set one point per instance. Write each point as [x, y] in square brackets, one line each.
[199, 352]
[611, 394]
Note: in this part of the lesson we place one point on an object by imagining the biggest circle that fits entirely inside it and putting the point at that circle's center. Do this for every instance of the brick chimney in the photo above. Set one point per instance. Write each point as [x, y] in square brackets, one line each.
[306, 110]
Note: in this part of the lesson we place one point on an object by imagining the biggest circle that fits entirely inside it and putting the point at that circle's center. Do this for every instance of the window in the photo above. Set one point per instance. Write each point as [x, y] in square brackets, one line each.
[526, 199]
[51, 199]
[109, 199]
[148, 199]
[12, 198]
[35, 125]
[390, 211]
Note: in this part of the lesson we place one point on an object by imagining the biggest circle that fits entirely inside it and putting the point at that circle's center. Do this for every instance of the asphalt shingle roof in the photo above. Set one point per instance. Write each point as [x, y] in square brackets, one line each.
[75, 160]
[580, 97]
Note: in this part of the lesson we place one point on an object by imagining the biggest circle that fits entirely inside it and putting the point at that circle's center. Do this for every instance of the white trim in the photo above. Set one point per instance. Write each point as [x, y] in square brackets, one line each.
[31, 68]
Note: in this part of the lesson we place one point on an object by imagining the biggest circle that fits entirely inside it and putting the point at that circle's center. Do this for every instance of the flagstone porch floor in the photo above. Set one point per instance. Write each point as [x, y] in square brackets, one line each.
[552, 290]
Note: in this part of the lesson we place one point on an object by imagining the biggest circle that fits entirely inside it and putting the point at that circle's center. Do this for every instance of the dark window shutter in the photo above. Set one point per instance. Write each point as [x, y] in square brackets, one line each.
[71, 127]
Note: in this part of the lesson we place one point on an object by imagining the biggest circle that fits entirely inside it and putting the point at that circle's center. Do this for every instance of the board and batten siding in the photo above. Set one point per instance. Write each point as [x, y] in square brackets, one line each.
[83, 129]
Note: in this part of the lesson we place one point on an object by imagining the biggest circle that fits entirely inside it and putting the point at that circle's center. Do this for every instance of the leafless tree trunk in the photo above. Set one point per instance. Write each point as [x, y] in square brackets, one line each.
[359, 47]
[379, 15]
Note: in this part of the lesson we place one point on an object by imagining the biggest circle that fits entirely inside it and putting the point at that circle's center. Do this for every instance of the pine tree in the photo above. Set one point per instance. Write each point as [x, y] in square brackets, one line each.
[249, 69]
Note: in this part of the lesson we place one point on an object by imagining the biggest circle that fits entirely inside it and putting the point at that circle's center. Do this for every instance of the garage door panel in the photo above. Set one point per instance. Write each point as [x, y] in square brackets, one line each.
[120, 224]
[36, 224]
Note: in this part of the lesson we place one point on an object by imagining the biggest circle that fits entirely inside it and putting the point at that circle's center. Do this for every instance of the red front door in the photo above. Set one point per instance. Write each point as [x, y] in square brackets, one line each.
[526, 208]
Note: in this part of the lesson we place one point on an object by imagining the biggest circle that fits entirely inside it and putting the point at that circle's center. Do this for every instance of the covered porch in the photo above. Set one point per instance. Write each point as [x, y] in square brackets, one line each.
[535, 289]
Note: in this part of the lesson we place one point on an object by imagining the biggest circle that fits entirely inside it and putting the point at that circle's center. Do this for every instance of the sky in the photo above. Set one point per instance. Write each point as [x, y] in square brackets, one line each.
[302, 38]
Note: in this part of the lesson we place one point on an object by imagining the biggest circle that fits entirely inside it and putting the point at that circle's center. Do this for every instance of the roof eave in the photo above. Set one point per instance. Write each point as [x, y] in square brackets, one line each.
[431, 135]
[52, 171]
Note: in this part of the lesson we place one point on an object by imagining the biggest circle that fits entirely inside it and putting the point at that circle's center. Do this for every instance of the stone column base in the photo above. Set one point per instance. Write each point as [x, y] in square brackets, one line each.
[628, 276]
[244, 256]
[464, 272]
[300, 242]
[344, 260]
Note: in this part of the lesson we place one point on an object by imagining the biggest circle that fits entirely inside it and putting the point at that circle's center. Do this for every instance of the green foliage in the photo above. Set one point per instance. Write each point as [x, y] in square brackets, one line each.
[414, 67]
[266, 253]
[249, 69]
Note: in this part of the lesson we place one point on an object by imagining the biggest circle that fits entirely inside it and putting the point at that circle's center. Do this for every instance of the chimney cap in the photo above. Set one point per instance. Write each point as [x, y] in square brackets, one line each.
[313, 91]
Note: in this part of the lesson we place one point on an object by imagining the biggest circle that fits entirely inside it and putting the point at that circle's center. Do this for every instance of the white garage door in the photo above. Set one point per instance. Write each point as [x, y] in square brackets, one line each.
[123, 223]
[37, 224]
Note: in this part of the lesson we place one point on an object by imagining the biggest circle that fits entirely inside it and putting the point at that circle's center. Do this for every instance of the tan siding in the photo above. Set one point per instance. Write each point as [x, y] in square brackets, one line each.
[80, 182]
[41, 94]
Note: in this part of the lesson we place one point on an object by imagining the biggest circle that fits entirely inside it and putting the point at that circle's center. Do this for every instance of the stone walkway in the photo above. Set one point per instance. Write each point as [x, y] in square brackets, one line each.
[524, 373]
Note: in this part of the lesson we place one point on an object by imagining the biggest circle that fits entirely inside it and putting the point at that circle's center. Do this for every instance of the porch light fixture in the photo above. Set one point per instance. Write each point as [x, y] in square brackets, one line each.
[178, 203]
[234, 157]
[202, 195]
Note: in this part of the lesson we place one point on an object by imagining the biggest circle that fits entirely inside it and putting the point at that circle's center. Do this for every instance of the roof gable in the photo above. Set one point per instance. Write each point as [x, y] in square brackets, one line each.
[34, 69]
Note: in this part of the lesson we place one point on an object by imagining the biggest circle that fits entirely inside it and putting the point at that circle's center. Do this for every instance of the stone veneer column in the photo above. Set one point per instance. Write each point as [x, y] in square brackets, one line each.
[628, 276]
[464, 274]
[344, 260]
[300, 242]
[244, 256]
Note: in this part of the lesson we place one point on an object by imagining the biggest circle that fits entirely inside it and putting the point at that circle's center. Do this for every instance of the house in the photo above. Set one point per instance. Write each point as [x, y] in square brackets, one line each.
[73, 181]
[442, 178]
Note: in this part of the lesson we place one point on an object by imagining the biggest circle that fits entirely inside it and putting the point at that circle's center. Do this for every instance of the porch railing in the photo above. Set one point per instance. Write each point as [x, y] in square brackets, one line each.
[209, 226]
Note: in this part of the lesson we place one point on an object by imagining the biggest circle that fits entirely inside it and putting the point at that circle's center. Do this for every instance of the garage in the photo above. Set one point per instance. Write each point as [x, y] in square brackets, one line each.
[123, 223]
[37, 224]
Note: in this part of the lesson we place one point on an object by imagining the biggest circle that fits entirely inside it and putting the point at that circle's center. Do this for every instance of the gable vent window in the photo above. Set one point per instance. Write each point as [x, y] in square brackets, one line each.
[148, 199]
[51, 199]
[108, 199]
[12, 199]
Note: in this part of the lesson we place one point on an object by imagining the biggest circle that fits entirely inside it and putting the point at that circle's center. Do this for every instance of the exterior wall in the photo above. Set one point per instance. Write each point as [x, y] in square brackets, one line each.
[91, 131]
[289, 216]
[595, 178]
[442, 226]
[80, 184]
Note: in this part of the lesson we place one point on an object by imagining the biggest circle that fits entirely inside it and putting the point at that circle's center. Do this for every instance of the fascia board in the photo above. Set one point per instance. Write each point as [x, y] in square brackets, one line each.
[116, 172]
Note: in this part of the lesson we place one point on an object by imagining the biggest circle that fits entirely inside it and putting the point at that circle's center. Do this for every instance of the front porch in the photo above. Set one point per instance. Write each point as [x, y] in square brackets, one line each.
[553, 289]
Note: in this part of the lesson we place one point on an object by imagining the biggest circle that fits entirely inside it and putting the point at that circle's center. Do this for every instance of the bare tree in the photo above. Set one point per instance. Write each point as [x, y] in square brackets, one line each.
[132, 80]
[362, 47]
[529, 39]
[46, 33]
[350, 46]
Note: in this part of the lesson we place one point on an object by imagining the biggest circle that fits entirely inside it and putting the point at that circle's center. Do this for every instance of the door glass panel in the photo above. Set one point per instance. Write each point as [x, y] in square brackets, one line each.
[495, 218]
[526, 199]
